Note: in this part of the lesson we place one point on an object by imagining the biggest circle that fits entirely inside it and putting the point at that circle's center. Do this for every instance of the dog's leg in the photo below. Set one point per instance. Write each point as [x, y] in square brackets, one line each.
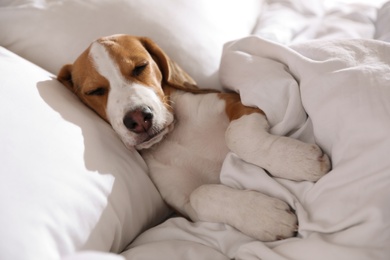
[281, 156]
[255, 214]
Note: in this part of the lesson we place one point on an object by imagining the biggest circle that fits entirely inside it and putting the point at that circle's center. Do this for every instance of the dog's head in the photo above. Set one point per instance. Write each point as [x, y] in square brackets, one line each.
[127, 81]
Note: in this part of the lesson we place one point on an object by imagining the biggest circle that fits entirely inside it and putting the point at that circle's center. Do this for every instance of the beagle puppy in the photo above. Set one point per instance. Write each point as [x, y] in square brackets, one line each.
[184, 133]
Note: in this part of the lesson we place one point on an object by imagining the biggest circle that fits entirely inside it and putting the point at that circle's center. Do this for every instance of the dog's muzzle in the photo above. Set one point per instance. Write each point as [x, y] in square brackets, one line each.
[140, 121]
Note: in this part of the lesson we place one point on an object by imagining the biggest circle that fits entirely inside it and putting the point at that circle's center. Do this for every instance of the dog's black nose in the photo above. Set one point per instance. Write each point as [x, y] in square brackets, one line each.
[138, 120]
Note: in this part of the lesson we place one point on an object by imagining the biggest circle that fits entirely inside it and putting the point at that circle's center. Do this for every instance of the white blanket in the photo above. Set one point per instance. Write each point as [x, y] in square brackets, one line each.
[336, 93]
[344, 87]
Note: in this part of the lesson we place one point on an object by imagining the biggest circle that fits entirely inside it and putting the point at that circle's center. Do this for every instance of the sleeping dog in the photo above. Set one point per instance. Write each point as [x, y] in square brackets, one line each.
[184, 133]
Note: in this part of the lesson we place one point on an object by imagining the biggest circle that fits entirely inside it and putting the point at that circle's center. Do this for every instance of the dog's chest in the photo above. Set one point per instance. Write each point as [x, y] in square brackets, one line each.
[197, 143]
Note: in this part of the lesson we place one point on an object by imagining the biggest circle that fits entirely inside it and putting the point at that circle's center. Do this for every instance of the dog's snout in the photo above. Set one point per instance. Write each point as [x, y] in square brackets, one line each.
[138, 120]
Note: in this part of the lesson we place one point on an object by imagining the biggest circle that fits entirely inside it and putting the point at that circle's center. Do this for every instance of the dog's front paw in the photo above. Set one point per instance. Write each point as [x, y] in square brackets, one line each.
[295, 160]
[314, 164]
[271, 219]
[253, 213]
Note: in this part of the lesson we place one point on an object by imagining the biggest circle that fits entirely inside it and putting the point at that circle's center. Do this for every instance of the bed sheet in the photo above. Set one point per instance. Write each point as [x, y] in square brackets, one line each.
[290, 22]
[332, 92]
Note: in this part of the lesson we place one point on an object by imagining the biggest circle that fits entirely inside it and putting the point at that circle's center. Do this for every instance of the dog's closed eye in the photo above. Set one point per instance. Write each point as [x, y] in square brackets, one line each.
[139, 68]
[97, 92]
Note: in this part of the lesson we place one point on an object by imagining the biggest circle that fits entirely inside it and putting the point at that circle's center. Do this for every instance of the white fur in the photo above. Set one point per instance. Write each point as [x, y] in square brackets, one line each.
[253, 213]
[192, 154]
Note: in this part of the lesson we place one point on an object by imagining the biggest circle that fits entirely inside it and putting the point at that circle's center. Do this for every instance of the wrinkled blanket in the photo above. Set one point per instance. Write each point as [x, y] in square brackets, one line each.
[332, 92]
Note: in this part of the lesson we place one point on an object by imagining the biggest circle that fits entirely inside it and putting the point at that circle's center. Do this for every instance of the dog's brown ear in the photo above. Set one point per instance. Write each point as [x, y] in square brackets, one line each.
[173, 74]
[65, 76]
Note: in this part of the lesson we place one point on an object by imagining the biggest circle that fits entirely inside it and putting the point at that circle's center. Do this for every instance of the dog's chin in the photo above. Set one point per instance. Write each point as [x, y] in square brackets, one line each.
[156, 138]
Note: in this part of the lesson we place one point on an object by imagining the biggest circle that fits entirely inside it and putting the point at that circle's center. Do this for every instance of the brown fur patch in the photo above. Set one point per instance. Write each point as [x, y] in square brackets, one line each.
[234, 108]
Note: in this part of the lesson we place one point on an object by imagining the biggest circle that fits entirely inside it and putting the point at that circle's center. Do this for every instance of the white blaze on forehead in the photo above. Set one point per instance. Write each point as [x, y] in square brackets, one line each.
[124, 95]
[104, 64]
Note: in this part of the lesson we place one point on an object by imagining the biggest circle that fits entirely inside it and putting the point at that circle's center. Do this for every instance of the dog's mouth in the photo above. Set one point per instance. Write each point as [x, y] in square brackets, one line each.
[149, 139]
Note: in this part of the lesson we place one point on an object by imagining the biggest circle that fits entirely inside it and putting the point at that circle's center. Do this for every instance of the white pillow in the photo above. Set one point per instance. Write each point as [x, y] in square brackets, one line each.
[67, 182]
[52, 33]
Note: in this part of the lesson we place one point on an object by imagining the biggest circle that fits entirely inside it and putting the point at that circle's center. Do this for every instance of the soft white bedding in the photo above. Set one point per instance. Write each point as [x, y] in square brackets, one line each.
[344, 88]
[71, 190]
[298, 21]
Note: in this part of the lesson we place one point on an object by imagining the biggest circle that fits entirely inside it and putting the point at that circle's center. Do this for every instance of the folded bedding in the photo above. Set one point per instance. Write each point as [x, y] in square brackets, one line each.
[345, 92]
[319, 69]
